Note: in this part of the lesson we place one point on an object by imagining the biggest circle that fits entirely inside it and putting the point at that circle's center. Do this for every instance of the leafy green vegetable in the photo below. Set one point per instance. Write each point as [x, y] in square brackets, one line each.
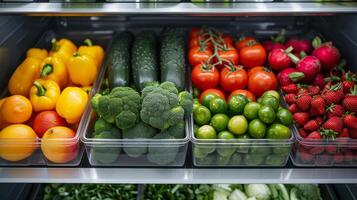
[259, 191]
[305, 192]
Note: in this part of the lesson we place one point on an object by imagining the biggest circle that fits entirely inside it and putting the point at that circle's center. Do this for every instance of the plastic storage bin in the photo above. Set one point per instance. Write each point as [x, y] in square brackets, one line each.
[324, 153]
[143, 1]
[31, 147]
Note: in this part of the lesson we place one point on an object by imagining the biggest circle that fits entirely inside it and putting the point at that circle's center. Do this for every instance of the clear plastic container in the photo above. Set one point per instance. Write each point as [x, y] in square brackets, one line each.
[143, 1]
[67, 152]
[324, 153]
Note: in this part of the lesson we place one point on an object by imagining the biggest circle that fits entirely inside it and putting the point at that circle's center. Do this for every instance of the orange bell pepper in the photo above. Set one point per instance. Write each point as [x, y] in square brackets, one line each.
[62, 49]
[95, 51]
[23, 77]
[37, 53]
[44, 95]
[53, 68]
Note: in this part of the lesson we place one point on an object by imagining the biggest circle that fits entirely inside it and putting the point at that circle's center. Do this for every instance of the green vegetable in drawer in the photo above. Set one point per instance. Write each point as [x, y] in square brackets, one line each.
[144, 59]
[172, 57]
[119, 60]
[104, 154]
[164, 154]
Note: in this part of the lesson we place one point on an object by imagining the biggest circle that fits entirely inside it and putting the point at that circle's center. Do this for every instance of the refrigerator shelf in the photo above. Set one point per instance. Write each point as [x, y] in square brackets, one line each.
[177, 175]
[213, 9]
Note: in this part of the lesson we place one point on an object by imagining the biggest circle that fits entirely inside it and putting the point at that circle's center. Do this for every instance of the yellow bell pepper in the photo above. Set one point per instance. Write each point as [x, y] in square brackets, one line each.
[23, 77]
[82, 69]
[53, 68]
[71, 104]
[87, 89]
[44, 95]
[95, 51]
[37, 53]
[62, 49]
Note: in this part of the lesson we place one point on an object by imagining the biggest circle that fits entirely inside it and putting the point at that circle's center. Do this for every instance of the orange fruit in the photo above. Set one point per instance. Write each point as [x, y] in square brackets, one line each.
[3, 123]
[17, 142]
[58, 146]
[16, 109]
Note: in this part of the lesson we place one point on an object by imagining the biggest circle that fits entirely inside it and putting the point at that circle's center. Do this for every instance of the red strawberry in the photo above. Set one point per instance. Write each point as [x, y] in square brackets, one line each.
[333, 94]
[331, 149]
[312, 125]
[350, 101]
[335, 111]
[319, 81]
[353, 133]
[319, 120]
[314, 90]
[291, 88]
[293, 108]
[316, 150]
[301, 118]
[345, 133]
[302, 132]
[303, 102]
[338, 158]
[347, 85]
[348, 80]
[348, 156]
[334, 124]
[350, 121]
[305, 156]
[290, 98]
[323, 159]
[317, 107]
[302, 90]
[314, 135]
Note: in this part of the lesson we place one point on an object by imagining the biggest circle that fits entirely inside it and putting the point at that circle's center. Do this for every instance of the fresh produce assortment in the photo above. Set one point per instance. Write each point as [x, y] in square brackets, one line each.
[182, 192]
[238, 101]
[48, 95]
[148, 109]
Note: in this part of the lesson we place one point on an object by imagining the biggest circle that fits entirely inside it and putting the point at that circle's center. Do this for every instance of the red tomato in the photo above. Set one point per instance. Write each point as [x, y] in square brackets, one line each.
[45, 120]
[261, 80]
[199, 41]
[217, 92]
[243, 41]
[234, 78]
[199, 55]
[204, 77]
[245, 93]
[228, 40]
[252, 55]
[230, 55]
[255, 69]
[195, 32]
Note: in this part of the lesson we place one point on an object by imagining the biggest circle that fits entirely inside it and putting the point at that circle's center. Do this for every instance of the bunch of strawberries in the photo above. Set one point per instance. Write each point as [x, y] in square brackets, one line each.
[325, 109]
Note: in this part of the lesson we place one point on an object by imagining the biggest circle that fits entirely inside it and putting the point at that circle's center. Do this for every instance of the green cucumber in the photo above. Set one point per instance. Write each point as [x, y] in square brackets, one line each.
[172, 57]
[144, 59]
[119, 60]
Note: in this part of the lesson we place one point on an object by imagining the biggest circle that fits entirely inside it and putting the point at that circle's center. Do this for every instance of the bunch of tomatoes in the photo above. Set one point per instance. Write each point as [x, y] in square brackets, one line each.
[219, 62]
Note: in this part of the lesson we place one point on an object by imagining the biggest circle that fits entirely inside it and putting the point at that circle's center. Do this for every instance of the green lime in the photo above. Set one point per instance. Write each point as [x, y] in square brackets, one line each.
[244, 136]
[273, 93]
[238, 125]
[257, 129]
[202, 115]
[206, 132]
[218, 105]
[206, 99]
[271, 101]
[196, 104]
[251, 110]
[266, 114]
[259, 100]
[225, 135]
[219, 122]
[278, 131]
[284, 116]
[237, 103]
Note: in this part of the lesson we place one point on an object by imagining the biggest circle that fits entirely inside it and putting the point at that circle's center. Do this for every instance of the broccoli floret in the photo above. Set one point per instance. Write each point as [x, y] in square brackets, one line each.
[177, 131]
[186, 101]
[121, 106]
[162, 155]
[104, 154]
[101, 125]
[139, 131]
[94, 101]
[160, 106]
[169, 86]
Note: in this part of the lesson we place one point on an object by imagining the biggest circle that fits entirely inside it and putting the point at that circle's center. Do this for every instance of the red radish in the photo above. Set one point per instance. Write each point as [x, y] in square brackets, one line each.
[310, 66]
[319, 81]
[299, 45]
[284, 76]
[278, 59]
[328, 54]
